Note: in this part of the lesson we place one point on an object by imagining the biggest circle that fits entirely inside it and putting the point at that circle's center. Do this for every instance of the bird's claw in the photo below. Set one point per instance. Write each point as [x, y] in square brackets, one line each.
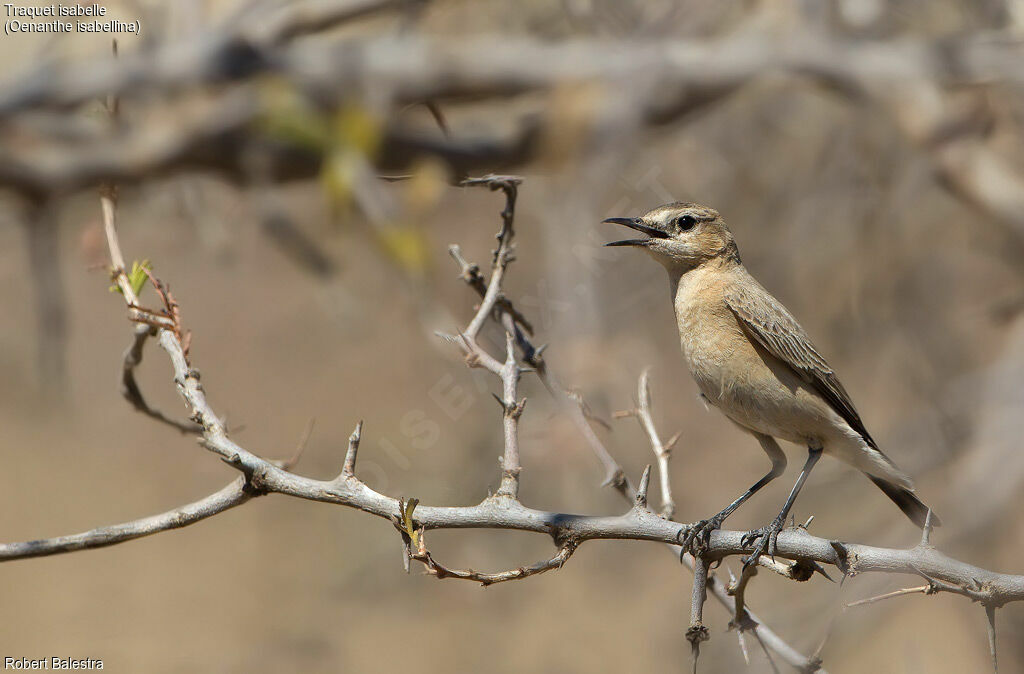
[698, 538]
[767, 541]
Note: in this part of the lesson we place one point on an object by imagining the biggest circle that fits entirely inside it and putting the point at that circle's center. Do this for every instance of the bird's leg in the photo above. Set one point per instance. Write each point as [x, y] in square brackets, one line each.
[769, 535]
[699, 535]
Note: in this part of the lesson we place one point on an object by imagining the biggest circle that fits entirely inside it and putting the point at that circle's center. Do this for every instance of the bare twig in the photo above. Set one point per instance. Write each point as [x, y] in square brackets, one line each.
[641, 491]
[421, 554]
[470, 273]
[303, 18]
[300, 448]
[532, 355]
[511, 411]
[926, 531]
[130, 387]
[923, 589]
[697, 631]
[662, 450]
[503, 253]
[990, 621]
[235, 494]
[349, 469]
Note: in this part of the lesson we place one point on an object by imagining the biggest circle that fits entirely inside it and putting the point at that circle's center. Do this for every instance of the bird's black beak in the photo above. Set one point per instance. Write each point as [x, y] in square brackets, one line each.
[640, 226]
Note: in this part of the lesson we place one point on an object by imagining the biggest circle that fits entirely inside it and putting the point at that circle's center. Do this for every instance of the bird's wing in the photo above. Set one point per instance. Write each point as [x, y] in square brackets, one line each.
[774, 328]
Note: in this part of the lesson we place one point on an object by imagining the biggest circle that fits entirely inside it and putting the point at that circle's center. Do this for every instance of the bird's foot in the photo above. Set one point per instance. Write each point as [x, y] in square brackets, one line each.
[698, 538]
[766, 541]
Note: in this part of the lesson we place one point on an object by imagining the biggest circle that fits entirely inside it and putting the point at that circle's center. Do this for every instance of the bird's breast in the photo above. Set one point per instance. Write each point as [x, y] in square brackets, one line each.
[715, 349]
[735, 375]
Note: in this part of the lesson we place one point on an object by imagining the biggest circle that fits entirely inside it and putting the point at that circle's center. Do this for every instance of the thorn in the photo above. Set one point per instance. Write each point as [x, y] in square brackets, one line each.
[926, 532]
[644, 389]
[807, 524]
[349, 468]
[641, 492]
[667, 447]
[842, 555]
[821, 570]
[990, 614]
[743, 646]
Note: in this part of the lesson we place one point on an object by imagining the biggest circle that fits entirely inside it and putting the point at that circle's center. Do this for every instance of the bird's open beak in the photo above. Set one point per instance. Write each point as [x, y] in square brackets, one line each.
[640, 226]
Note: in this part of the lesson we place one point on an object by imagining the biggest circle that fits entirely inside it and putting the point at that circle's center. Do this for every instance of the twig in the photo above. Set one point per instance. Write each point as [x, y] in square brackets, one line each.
[349, 469]
[421, 554]
[697, 632]
[641, 491]
[990, 621]
[303, 18]
[235, 494]
[663, 451]
[923, 589]
[926, 531]
[300, 448]
[130, 387]
[470, 273]
[503, 253]
[511, 411]
[533, 356]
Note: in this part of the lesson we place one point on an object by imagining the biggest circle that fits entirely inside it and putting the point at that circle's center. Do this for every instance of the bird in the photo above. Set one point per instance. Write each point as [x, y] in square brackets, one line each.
[753, 361]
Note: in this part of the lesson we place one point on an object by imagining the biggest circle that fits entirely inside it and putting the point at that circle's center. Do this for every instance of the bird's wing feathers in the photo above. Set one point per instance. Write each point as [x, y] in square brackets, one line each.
[774, 328]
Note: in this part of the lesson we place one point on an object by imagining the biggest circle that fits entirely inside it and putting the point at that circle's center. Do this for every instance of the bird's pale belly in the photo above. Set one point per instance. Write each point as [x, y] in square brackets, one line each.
[758, 393]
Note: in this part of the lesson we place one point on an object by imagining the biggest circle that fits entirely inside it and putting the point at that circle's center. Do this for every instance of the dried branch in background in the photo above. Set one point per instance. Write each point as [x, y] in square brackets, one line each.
[223, 130]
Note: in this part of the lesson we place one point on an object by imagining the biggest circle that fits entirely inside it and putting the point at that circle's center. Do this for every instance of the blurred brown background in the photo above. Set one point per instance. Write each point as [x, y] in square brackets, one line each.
[912, 290]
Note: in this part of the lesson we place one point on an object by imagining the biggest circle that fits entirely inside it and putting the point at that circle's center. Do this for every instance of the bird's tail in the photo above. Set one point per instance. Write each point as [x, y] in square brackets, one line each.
[911, 506]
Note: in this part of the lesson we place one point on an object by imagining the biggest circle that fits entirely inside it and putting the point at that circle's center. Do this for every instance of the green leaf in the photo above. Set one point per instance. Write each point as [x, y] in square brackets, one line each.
[137, 277]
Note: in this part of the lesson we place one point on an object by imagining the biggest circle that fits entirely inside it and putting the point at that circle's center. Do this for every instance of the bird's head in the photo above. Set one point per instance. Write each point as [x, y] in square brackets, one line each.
[681, 235]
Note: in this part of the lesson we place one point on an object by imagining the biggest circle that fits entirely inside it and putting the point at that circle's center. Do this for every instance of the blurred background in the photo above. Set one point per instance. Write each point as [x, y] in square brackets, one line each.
[867, 156]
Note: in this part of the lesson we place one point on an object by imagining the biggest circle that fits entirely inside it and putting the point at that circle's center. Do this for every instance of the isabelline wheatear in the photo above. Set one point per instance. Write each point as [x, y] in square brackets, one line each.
[753, 361]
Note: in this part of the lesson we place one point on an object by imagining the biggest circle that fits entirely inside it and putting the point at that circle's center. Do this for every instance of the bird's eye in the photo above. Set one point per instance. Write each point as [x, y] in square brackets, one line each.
[686, 222]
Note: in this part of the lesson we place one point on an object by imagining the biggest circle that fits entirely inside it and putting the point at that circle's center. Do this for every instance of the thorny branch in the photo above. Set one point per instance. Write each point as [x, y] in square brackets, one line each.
[662, 450]
[502, 510]
[574, 406]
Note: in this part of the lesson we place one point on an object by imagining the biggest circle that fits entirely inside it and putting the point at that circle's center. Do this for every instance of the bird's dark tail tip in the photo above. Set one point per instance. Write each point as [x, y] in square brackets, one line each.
[911, 506]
